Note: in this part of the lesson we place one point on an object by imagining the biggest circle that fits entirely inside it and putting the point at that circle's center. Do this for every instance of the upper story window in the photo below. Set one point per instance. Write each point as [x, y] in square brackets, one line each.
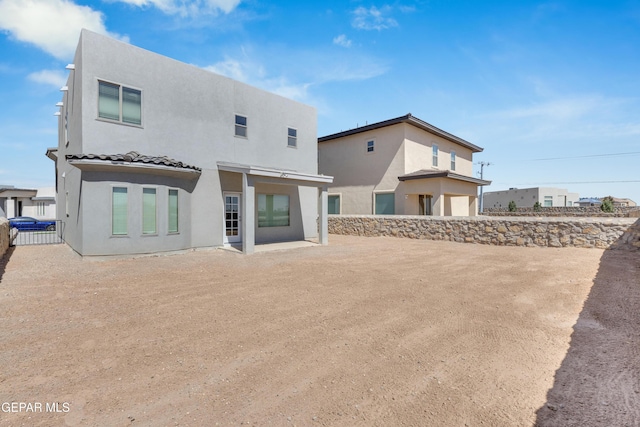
[292, 137]
[119, 103]
[371, 146]
[241, 126]
[453, 160]
[435, 155]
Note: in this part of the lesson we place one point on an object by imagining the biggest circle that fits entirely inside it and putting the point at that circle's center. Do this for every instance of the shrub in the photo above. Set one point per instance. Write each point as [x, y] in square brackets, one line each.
[512, 206]
[537, 207]
[607, 204]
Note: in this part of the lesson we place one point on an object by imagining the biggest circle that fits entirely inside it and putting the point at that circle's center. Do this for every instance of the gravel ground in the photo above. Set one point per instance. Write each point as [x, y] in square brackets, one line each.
[363, 332]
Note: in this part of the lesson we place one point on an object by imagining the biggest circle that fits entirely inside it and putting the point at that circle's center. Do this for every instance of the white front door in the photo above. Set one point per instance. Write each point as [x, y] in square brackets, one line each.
[232, 218]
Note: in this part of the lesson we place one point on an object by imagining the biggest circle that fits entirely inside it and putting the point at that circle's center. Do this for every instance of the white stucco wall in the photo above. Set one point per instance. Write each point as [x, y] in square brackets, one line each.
[188, 114]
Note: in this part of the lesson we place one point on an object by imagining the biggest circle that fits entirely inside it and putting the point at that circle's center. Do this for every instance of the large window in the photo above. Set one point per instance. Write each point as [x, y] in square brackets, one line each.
[119, 103]
[241, 126]
[40, 208]
[173, 211]
[149, 211]
[292, 137]
[119, 211]
[548, 201]
[334, 204]
[273, 210]
[385, 204]
[435, 155]
[453, 160]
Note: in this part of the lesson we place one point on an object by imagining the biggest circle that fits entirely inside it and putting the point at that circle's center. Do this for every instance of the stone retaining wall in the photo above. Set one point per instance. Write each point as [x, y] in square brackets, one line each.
[566, 211]
[614, 233]
[4, 236]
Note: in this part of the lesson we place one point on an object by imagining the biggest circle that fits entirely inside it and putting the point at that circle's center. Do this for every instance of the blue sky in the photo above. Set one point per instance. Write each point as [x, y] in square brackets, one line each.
[550, 90]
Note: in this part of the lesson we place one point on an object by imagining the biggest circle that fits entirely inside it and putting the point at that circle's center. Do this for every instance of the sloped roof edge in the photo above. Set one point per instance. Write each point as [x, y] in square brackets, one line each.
[134, 157]
[409, 119]
[426, 174]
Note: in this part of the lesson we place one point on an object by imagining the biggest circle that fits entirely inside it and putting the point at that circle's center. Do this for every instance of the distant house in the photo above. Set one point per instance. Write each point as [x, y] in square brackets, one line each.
[400, 166]
[623, 202]
[37, 203]
[527, 197]
[586, 202]
[156, 155]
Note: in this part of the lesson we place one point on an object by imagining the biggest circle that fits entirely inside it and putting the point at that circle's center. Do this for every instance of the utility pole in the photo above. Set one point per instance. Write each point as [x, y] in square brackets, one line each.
[482, 165]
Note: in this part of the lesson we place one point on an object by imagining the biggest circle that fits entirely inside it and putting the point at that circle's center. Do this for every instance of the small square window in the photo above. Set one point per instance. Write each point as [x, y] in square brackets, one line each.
[370, 146]
[292, 137]
[241, 126]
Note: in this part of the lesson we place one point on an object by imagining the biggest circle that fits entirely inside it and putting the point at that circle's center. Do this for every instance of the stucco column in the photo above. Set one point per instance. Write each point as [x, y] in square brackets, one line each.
[248, 214]
[473, 206]
[438, 204]
[323, 210]
[11, 207]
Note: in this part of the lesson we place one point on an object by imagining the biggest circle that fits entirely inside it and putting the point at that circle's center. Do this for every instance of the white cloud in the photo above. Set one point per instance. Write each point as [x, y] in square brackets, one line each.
[313, 67]
[559, 109]
[56, 78]
[373, 18]
[186, 7]
[342, 40]
[254, 74]
[52, 25]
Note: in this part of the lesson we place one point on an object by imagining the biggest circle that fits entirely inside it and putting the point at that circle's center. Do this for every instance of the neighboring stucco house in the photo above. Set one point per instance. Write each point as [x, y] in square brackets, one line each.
[37, 203]
[400, 166]
[527, 197]
[156, 155]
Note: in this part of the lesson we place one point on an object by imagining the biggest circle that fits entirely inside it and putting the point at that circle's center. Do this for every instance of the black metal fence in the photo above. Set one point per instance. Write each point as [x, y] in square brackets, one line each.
[44, 237]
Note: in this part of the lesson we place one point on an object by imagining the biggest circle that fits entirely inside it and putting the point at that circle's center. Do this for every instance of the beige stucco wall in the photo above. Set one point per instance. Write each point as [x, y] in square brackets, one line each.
[418, 146]
[399, 149]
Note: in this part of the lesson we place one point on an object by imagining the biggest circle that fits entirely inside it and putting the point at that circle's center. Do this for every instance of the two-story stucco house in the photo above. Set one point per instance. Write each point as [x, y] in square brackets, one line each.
[156, 155]
[400, 166]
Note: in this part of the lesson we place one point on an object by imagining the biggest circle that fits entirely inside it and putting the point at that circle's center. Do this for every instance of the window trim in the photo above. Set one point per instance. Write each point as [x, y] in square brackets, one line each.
[155, 213]
[372, 146]
[292, 137]
[120, 121]
[339, 196]
[169, 190]
[241, 126]
[113, 187]
[376, 193]
[435, 152]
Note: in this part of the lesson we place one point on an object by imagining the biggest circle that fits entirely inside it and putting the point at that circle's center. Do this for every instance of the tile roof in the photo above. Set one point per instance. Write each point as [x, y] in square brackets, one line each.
[134, 157]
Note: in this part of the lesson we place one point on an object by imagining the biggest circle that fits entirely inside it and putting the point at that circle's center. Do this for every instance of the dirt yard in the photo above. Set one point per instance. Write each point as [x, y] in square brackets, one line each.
[364, 332]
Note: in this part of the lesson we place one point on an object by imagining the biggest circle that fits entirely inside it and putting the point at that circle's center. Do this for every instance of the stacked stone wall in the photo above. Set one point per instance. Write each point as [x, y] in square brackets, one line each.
[566, 211]
[604, 233]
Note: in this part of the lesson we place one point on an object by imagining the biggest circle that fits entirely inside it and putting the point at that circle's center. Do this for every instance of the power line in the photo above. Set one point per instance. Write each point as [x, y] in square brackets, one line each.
[631, 153]
[579, 182]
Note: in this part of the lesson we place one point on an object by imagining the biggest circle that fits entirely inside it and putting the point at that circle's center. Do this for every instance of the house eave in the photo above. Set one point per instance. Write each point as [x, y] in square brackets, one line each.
[133, 167]
[265, 172]
[52, 153]
[444, 174]
[409, 119]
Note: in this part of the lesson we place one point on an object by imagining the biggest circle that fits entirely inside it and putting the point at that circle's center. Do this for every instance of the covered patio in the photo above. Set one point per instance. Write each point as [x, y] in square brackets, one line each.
[440, 193]
[253, 176]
